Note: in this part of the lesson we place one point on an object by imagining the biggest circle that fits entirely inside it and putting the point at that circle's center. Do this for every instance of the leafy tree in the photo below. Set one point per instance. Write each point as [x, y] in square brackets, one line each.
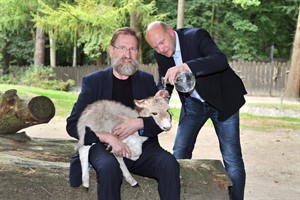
[246, 3]
[141, 14]
[86, 23]
[49, 20]
[16, 41]
[244, 31]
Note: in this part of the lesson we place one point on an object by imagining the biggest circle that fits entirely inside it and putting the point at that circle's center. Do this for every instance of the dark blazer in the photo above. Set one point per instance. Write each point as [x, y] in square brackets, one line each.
[98, 85]
[216, 82]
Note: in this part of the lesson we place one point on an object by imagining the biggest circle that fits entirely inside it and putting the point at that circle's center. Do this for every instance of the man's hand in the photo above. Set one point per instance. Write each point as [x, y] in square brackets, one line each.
[119, 148]
[170, 76]
[127, 127]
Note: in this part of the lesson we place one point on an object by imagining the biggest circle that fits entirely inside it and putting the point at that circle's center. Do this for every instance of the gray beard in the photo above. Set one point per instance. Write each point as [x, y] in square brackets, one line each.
[125, 69]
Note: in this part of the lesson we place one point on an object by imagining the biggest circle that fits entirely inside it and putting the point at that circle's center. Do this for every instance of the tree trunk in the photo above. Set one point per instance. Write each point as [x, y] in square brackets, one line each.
[212, 20]
[134, 24]
[180, 14]
[6, 60]
[39, 52]
[16, 113]
[74, 63]
[52, 49]
[292, 89]
[99, 58]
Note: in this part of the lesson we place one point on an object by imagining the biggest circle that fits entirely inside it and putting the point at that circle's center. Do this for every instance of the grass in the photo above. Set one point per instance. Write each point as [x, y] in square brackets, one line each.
[263, 123]
[64, 102]
[274, 105]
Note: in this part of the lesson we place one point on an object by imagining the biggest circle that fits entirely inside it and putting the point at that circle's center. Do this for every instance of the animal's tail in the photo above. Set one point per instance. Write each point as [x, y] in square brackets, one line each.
[81, 135]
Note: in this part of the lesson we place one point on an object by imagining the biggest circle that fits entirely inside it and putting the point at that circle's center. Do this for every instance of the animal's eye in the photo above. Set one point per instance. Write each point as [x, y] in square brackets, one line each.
[154, 113]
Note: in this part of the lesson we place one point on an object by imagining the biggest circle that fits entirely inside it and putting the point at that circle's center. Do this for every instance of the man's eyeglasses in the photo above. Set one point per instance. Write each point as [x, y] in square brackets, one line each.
[124, 49]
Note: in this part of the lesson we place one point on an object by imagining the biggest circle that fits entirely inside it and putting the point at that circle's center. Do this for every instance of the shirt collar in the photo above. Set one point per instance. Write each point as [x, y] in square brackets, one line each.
[177, 48]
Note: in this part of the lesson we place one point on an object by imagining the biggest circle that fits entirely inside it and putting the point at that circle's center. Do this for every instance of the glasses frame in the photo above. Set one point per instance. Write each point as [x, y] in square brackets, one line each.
[124, 49]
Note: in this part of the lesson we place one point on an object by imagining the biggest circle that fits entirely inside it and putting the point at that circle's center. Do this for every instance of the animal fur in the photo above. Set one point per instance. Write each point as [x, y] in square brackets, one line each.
[101, 116]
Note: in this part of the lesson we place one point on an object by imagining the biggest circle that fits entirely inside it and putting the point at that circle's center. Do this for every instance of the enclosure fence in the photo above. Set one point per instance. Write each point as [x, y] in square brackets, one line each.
[260, 78]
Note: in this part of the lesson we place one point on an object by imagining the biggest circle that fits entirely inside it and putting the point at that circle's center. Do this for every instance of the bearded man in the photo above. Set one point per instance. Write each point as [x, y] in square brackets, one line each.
[123, 82]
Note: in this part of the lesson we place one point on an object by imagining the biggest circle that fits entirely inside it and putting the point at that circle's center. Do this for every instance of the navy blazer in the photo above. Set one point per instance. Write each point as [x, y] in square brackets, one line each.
[216, 82]
[98, 85]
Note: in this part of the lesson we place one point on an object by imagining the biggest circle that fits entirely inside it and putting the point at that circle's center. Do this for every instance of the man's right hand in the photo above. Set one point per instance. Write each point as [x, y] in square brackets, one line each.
[120, 149]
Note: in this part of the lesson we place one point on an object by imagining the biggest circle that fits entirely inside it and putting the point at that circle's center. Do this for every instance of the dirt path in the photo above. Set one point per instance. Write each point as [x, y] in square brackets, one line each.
[272, 159]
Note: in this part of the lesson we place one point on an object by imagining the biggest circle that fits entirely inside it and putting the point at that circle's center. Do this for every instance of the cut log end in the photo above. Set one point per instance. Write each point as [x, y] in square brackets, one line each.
[17, 114]
[41, 108]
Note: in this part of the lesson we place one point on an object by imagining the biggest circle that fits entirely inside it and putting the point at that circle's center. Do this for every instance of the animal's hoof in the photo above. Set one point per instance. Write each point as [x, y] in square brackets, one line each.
[136, 185]
[86, 186]
[86, 189]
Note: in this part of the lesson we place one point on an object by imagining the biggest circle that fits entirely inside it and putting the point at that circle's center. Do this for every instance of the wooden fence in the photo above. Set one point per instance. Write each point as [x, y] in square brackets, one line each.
[260, 78]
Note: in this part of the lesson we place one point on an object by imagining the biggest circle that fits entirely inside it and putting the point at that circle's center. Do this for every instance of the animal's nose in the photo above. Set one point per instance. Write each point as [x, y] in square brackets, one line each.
[167, 127]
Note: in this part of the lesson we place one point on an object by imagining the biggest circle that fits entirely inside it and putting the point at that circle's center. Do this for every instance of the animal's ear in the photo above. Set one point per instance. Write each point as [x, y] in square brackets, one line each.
[162, 93]
[139, 103]
[158, 99]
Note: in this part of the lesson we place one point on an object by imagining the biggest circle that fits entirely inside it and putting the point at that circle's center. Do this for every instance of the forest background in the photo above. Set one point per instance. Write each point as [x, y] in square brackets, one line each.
[77, 32]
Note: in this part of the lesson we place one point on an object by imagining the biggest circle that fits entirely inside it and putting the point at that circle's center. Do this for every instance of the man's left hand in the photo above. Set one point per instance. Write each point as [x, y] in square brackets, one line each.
[127, 127]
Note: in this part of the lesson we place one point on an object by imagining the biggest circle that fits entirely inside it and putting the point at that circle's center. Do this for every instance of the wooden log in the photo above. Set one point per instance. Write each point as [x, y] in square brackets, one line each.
[200, 179]
[16, 113]
[42, 165]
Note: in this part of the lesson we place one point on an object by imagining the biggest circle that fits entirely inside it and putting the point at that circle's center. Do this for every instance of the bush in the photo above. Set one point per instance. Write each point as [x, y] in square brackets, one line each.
[42, 77]
[8, 79]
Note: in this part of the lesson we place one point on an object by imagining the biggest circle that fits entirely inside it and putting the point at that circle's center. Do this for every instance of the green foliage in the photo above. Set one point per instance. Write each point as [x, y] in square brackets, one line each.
[16, 30]
[8, 79]
[247, 3]
[21, 48]
[45, 77]
[175, 112]
[86, 22]
[42, 77]
[246, 30]
[15, 14]
[243, 29]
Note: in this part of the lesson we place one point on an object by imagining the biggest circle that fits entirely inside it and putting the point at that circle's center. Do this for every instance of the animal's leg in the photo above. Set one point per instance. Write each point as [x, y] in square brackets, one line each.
[128, 177]
[84, 160]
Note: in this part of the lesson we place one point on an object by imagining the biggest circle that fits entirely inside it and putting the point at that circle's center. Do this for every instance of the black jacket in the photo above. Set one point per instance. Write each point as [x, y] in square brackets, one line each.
[216, 82]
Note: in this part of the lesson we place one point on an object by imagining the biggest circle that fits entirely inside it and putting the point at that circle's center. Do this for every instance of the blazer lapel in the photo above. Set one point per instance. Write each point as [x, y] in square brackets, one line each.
[184, 47]
[138, 89]
[106, 84]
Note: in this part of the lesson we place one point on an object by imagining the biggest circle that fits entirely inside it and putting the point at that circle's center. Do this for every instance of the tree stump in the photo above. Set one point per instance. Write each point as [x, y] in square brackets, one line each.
[16, 113]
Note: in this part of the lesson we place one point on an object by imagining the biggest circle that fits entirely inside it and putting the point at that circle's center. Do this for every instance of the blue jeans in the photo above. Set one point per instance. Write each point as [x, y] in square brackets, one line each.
[228, 133]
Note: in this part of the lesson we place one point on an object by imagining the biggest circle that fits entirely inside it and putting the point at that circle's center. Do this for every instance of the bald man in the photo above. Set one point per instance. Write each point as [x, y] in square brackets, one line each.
[218, 94]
